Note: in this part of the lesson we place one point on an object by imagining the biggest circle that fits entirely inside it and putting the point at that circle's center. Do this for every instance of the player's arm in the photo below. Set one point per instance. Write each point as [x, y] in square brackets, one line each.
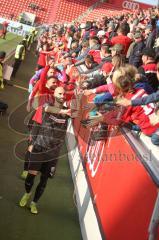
[56, 110]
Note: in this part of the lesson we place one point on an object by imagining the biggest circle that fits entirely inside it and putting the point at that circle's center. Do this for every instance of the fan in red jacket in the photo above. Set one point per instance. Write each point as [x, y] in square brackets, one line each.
[140, 115]
[143, 116]
[43, 91]
[121, 39]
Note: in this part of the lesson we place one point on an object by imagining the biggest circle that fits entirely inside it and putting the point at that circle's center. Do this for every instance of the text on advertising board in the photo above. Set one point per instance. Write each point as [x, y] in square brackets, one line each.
[130, 5]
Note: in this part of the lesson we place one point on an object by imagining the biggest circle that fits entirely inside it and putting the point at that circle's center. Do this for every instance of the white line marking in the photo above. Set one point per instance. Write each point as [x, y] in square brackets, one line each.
[20, 87]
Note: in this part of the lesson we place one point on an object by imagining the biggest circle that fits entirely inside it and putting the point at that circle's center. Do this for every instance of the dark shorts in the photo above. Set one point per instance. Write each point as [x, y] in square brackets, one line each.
[43, 160]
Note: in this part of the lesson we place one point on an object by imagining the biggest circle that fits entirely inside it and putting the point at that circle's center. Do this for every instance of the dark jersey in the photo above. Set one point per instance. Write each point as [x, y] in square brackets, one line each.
[51, 132]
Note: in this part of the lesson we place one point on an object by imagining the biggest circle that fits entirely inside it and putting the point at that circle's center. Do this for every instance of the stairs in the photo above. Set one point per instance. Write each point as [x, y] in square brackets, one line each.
[69, 10]
[80, 10]
[105, 9]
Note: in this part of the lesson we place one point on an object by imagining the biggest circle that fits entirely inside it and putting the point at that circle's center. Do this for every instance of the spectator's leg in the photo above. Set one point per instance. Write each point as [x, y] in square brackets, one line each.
[16, 66]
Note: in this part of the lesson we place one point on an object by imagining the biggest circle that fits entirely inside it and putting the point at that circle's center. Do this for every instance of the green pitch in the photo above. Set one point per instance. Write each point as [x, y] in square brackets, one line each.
[57, 218]
[10, 43]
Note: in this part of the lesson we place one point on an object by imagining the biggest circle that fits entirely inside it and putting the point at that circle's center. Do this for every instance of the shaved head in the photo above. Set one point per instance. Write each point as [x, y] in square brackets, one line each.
[58, 90]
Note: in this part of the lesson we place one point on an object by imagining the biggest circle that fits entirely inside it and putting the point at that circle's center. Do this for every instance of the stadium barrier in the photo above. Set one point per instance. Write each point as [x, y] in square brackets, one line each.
[115, 182]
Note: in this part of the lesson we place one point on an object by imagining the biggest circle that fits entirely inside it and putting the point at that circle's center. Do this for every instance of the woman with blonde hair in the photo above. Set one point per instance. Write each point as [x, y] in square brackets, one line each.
[138, 81]
[123, 80]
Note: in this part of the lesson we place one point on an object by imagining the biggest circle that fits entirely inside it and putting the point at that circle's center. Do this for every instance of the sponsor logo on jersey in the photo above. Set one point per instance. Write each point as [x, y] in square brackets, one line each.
[63, 121]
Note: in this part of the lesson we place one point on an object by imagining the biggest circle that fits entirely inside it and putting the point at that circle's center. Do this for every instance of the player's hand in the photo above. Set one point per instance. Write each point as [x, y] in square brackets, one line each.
[67, 112]
[30, 148]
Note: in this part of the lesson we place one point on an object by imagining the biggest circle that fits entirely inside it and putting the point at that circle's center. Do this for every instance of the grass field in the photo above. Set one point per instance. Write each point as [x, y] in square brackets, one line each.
[58, 217]
[10, 43]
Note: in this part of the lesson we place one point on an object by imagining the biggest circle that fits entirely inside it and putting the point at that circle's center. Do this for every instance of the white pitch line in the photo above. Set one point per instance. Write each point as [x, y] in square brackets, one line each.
[17, 86]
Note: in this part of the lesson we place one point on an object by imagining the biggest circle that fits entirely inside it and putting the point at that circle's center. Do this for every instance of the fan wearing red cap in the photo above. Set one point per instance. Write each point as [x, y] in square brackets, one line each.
[107, 68]
[92, 33]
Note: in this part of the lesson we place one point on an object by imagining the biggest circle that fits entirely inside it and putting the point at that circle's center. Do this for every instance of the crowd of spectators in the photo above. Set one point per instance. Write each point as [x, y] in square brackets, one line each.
[117, 62]
[111, 65]
[110, 61]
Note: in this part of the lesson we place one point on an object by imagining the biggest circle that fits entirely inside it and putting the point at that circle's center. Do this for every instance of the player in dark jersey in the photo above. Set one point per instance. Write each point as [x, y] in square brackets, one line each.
[47, 139]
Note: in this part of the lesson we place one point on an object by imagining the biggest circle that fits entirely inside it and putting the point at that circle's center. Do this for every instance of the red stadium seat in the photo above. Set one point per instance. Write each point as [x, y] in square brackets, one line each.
[17, 7]
[105, 9]
[59, 10]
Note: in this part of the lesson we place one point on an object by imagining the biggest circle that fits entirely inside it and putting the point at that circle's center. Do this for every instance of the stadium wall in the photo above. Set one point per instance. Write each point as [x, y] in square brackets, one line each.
[115, 183]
